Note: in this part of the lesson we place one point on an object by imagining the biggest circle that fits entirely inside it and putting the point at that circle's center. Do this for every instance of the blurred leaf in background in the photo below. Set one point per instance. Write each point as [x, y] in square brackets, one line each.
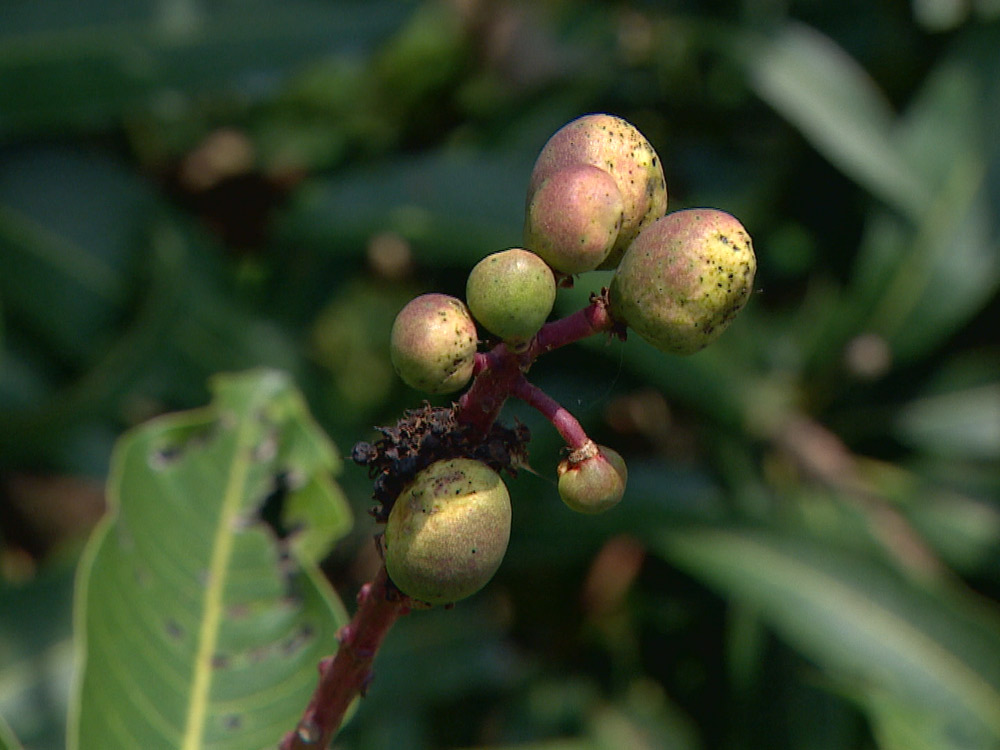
[808, 555]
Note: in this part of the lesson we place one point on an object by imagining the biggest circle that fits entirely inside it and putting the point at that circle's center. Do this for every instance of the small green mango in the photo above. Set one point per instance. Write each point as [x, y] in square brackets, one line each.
[511, 293]
[595, 483]
[447, 531]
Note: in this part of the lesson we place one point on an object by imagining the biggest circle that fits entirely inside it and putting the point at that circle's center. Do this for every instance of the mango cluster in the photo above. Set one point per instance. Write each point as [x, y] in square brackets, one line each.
[596, 200]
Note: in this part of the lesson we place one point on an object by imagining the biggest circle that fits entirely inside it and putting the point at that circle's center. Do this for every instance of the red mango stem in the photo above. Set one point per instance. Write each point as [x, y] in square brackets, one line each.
[346, 674]
[560, 417]
[592, 319]
[499, 371]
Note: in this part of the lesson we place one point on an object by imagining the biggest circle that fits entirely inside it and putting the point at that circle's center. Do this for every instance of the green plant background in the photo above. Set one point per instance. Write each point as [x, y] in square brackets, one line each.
[808, 555]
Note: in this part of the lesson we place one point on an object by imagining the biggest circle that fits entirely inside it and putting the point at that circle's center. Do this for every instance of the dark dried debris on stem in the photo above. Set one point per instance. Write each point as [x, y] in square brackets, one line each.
[428, 434]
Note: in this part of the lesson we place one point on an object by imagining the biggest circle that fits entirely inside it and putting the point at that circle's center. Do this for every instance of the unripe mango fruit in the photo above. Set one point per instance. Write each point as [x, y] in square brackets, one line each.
[594, 484]
[617, 147]
[574, 218]
[433, 343]
[511, 293]
[447, 531]
[684, 278]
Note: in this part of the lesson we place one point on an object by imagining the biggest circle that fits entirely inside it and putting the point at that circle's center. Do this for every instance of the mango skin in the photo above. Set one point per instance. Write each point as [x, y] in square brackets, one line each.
[595, 484]
[684, 279]
[433, 343]
[574, 218]
[447, 532]
[511, 293]
[616, 146]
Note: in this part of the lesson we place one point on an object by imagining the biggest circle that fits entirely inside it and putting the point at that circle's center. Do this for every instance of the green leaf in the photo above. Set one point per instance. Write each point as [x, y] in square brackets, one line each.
[927, 281]
[34, 691]
[813, 83]
[929, 652]
[455, 205]
[898, 725]
[197, 626]
[964, 531]
[960, 424]
[928, 265]
[7, 739]
[644, 719]
[36, 655]
[82, 65]
[61, 242]
[41, 414]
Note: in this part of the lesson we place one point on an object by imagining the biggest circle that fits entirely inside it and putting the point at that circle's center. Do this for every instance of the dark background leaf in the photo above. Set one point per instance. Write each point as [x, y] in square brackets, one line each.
[195, 187]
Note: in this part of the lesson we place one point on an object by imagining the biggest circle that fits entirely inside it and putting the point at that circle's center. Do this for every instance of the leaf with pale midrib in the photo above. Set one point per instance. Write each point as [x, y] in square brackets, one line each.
[902, 649]
[198, 626]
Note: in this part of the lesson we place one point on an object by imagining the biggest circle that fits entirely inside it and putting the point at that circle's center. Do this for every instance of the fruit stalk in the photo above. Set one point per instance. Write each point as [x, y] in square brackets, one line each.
[567, 425]
[496, 374]
[499, 371]
[588, 321]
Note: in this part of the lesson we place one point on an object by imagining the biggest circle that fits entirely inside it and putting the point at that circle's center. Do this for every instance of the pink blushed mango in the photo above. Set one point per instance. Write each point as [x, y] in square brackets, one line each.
[574, 218]
[684, 279]
[617, 147]
[433, 343]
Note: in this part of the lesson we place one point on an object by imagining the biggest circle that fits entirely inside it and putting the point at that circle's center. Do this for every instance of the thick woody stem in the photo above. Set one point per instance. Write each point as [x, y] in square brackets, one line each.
[344, 676]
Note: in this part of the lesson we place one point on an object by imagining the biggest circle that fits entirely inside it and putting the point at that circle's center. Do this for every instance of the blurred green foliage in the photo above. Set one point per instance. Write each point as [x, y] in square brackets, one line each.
[808, 555]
